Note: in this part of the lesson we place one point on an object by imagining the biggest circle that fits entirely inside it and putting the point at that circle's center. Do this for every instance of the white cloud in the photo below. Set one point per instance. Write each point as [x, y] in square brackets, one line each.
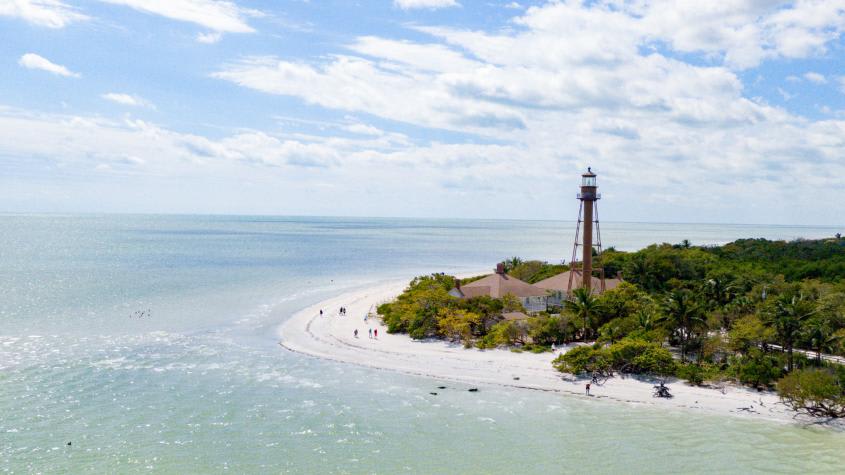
[216, 15]
[576, 83]
[48, 13]
[363, 129]
[815, 78]
[209, 38]
[431, 4]
[34, 61]
[127, 100]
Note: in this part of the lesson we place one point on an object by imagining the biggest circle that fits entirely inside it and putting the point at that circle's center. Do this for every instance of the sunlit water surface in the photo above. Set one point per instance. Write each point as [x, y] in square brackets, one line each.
[148, 343]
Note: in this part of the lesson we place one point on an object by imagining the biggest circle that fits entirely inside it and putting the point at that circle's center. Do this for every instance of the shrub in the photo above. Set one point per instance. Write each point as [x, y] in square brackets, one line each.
[818, 392]
[693, 374]
[757, 368]
[639, 356]
[584, 359]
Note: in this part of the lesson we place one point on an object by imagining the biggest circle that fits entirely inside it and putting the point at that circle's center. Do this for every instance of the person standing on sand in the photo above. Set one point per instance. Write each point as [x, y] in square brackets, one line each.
[376, 333]
[371, 333]
[321, 312]
[356, 333]
[588, 389]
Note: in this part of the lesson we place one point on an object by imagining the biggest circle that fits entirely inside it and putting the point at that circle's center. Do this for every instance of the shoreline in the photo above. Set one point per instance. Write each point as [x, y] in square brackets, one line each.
[331, 337]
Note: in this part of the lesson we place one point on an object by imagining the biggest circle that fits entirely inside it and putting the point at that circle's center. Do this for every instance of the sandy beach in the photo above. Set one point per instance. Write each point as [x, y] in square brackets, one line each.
[331, 336]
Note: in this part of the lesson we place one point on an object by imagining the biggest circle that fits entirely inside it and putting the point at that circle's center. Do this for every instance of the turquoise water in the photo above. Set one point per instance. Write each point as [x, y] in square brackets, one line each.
[198, 383]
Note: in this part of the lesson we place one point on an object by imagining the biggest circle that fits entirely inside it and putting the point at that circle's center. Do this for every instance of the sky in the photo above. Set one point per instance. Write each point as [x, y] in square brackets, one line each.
[730, 111]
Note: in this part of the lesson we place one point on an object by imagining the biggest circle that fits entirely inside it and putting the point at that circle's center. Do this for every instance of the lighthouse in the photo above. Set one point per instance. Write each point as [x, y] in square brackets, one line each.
[590, 236]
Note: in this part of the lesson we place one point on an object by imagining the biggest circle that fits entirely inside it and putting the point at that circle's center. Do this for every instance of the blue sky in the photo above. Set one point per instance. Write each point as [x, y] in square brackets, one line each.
[730, 111]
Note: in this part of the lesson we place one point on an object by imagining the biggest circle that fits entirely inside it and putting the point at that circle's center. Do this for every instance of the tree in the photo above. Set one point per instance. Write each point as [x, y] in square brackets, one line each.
[818, 392]
[511, 263]
[545, 330]
[511, 303]
[749, 332]
[584, 306]
[757, 368]
[685, 315]
[584, 359]
[457, 324]
[787, 317]
[822, 336]
[506, 333]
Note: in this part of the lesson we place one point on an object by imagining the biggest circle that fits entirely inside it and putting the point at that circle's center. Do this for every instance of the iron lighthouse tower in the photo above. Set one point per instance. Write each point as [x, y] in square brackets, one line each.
[581, 274]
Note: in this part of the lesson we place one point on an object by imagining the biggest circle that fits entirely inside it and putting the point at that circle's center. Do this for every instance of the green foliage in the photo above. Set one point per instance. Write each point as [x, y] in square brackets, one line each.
[641, 357]
[415, 310]
[545, 329]
[795, 260]
[457, 324]
[692, 373]
[629, 356]
[535, 271]
[506, 333]
[511, 303]
[757, 368]
[818, 392]
[749, 332]
[786, 317]
[686, 316]
[584, 359]
[585, 307]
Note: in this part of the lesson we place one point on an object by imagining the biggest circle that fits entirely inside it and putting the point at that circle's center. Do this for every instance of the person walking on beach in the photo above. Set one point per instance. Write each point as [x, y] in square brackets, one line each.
[588, 389]
[371, 333]
[376, 333]
[356, 333]
[321, 312]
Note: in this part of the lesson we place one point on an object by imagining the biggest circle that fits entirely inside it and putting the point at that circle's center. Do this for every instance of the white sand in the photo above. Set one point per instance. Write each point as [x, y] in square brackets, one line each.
[331, 337]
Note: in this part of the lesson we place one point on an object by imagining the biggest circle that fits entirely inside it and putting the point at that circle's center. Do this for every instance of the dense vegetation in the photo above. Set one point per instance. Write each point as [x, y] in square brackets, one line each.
[755, 311]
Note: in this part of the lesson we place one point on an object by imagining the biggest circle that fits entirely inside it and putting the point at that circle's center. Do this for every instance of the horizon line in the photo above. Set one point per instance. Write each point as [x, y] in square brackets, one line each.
[105, 213]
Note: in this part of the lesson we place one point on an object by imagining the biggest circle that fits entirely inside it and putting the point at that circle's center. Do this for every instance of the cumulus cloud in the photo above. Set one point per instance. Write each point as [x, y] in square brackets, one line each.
[430, 4]
[47, 13]
[34, 61]
[127, 100]
[601, 83]
[815, 78]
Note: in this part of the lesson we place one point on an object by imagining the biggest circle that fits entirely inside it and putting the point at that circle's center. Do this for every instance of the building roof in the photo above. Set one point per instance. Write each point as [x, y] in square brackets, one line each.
[514, 316]
[560, 282]
[498, 285]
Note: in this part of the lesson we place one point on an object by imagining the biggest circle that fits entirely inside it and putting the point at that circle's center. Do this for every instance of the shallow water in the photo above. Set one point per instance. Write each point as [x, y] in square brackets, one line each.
[196, 383]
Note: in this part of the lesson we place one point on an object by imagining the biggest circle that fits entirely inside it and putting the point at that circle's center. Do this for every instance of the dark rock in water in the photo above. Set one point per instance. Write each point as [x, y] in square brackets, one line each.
[433, 394]
[68, 444]
[441, 387]
[473, 390]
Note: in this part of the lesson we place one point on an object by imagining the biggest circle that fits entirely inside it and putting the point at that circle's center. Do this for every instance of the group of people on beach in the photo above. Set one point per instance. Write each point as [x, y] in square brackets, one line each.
[373, 333]
[341, 312]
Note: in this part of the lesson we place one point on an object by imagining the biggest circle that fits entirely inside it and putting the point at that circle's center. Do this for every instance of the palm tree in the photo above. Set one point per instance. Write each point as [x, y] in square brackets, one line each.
[686, 315]
[646, 319]
[583, 305]
[719, 292]
[822, 336]
[789, 314]
[512, 263]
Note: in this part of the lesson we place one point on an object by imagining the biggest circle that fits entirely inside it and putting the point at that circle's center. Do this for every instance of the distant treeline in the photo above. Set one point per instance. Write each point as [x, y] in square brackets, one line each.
[746, 260]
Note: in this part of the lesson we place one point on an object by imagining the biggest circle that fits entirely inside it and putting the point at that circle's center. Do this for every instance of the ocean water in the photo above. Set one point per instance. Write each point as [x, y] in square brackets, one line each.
[148, 342]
